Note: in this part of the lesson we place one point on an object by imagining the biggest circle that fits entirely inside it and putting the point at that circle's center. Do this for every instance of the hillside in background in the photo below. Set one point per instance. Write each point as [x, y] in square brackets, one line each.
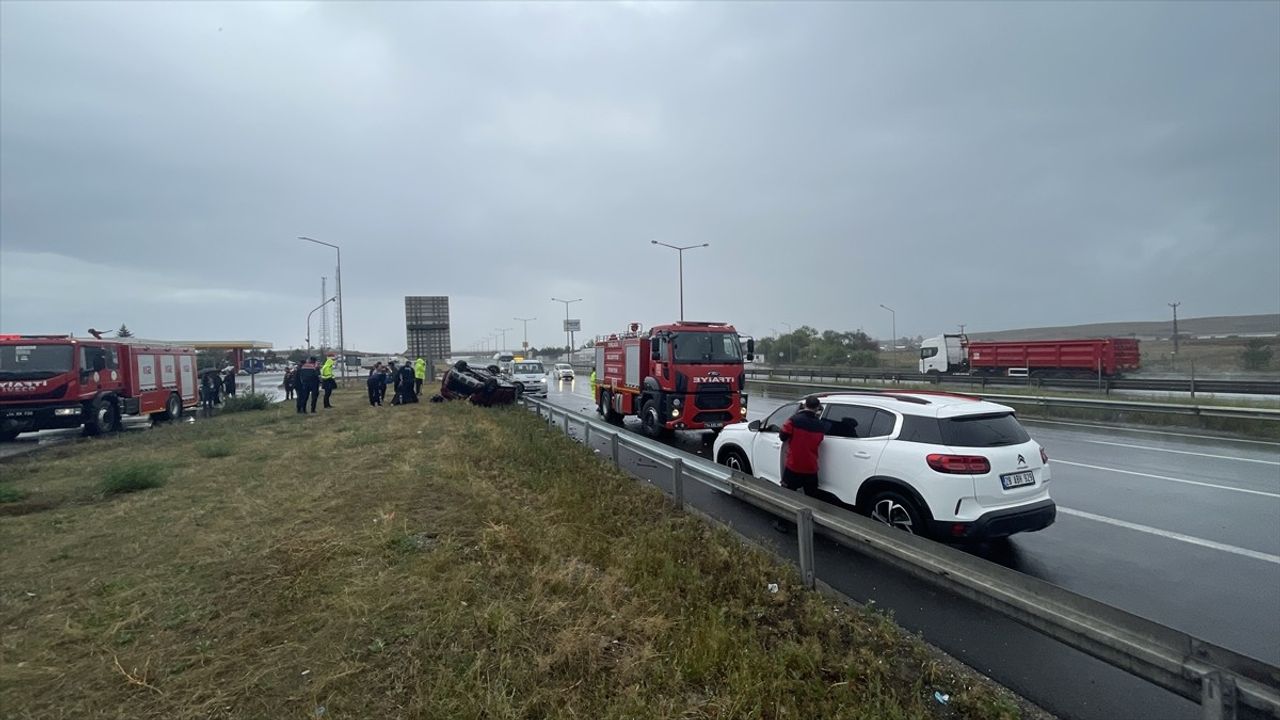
[1221, 326]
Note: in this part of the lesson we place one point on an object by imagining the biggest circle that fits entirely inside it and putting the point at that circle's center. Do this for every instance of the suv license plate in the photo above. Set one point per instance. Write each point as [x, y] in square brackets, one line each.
[1018, 479]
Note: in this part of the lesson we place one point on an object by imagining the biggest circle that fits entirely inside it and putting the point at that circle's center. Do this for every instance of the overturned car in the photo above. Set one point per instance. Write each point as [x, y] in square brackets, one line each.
[483, 387]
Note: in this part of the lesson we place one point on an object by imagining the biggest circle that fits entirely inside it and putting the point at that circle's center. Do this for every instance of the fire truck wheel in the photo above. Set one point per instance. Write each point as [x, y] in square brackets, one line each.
[104, 416]
[606, 404]
[651, 422]
[172, 409]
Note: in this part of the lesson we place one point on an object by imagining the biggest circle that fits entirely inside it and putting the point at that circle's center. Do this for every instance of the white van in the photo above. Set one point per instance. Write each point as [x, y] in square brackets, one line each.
[530, 377]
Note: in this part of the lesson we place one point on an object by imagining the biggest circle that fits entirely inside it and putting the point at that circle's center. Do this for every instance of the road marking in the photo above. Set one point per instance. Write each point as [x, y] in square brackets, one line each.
[1167, 478]
[1273, 559]
[1181, 452]
[1121, 428]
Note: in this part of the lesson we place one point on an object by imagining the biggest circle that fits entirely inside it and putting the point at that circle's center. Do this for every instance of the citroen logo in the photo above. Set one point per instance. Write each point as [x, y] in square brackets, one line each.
[1022, 462]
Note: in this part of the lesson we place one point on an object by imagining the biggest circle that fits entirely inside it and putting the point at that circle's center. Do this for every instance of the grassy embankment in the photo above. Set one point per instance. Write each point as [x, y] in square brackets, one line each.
[431, 561]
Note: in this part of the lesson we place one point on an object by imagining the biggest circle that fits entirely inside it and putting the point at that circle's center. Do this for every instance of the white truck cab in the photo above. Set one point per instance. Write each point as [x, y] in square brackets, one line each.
[944, 354]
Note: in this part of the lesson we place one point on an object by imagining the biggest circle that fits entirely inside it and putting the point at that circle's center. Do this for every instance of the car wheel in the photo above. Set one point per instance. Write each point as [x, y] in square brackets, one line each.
[896, 511]
[735, 459]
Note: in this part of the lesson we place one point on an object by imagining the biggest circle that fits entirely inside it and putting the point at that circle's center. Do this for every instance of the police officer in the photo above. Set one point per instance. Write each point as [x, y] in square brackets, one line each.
[308, 381]
[407, 394]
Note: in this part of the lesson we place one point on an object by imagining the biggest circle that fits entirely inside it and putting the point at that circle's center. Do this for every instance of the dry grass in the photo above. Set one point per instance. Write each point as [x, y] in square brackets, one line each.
[429, 561]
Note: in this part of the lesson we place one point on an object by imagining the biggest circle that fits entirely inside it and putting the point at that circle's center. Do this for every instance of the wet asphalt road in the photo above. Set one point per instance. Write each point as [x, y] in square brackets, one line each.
[1180, 529]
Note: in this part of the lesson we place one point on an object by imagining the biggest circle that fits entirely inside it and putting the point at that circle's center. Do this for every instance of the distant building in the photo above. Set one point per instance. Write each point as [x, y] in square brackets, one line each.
[426, 322]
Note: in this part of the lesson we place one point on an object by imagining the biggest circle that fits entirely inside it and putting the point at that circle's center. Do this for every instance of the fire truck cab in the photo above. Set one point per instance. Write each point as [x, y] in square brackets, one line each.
[682, 376]
[58, 381]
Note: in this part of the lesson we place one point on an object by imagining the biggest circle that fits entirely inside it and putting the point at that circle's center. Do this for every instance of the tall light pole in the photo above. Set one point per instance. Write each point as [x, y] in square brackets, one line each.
[503, 331]
[1175, 305]
[680, 251]
[526, 321]
[342, 346]
[791, 343]
[568, 336]
[894, 318]
[313, 312]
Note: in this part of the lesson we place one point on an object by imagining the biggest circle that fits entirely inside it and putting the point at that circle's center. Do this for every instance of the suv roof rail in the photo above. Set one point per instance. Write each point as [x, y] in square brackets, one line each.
[874, 393]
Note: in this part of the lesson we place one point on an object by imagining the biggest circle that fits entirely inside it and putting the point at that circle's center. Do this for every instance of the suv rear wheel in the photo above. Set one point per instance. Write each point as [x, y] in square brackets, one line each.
[896, 511]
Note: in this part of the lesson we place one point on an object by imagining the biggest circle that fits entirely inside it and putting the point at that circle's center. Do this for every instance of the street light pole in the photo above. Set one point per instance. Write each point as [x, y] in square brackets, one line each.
[791, 343]
[525, 344]
[568, 336]
[680, 250]
[503, 349]
[313, 312]
[342, 346]
[1175, 305]
[894, 318]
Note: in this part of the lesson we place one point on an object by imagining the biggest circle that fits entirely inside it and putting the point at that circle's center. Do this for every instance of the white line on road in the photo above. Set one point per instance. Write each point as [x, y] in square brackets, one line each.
[1167, 478]
[1181, 452]
[1118, 428]
[1273, 559]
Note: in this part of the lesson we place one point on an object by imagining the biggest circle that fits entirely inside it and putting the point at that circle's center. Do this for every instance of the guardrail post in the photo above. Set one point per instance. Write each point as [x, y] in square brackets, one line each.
[566, 423]
[804, 532]
[677, 481]
[614, 447]
[1217, 697]
[586, 433]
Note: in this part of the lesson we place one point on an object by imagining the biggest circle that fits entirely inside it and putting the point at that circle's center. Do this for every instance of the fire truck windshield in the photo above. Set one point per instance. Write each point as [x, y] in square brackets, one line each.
[33, 362]
[705, 347]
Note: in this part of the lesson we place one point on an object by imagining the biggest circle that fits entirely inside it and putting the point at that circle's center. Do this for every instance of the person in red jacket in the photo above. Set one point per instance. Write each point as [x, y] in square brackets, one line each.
[803, 433]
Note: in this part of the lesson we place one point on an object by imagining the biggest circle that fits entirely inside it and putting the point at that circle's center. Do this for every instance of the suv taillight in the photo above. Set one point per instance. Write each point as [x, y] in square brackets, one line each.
[1044, 456]
[959, 464]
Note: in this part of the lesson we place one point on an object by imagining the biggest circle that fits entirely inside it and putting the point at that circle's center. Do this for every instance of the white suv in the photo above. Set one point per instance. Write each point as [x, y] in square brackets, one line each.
[564, 371]
[935, 464]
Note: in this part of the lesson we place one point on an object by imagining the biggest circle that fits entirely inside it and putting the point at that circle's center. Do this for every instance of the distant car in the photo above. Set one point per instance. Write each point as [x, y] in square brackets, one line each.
[563, 371]
[530, 377]
[938, 465]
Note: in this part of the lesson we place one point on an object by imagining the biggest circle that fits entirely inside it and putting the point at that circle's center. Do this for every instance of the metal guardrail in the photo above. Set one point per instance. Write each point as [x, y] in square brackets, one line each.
[1225, 411]
[1220, 680]
[1190, 385]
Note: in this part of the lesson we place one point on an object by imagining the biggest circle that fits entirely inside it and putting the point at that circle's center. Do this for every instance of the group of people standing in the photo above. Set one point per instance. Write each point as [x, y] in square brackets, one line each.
[214, 384]
[405, 381]
[305, 382]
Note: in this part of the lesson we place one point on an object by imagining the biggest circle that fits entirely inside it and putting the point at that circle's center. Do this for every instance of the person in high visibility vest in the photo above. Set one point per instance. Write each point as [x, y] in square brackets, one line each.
[419, 374]
[593, 382]
[326, 379]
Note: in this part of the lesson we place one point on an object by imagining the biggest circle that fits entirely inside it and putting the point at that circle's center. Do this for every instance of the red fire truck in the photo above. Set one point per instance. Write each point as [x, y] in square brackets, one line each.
[682, 376]
[58, 381]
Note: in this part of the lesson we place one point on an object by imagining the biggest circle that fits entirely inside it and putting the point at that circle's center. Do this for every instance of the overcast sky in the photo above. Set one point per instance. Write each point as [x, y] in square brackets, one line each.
[1000, 165]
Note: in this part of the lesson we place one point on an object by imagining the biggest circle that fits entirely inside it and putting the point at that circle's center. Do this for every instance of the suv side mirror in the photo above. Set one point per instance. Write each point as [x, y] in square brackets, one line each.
[754, 426]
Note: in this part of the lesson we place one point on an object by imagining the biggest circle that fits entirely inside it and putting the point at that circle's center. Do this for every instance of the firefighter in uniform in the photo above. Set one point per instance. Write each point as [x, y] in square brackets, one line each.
[419, 374]
[326, 380]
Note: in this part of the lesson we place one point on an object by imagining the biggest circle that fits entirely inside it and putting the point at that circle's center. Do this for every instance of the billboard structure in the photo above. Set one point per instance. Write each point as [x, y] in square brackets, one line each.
[426, 322]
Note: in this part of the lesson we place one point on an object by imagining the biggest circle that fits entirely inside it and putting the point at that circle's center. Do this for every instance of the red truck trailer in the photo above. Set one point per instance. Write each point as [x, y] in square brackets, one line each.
[682, 376]
[58, 381]
[1037, 358]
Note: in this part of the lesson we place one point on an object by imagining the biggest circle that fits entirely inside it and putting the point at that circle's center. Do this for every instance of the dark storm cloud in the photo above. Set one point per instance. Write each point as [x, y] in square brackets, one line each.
[1001, 165]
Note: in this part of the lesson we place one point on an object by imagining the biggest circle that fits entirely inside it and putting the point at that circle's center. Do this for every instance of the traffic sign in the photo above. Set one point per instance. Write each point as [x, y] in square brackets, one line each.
[253, 366]
[572, 325]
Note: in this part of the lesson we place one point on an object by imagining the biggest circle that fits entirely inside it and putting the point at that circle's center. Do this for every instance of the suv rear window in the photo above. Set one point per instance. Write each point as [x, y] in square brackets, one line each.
[983, 431]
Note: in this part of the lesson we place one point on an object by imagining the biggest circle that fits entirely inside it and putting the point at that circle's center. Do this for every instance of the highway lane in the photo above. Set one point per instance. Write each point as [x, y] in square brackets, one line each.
[1182, 530]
